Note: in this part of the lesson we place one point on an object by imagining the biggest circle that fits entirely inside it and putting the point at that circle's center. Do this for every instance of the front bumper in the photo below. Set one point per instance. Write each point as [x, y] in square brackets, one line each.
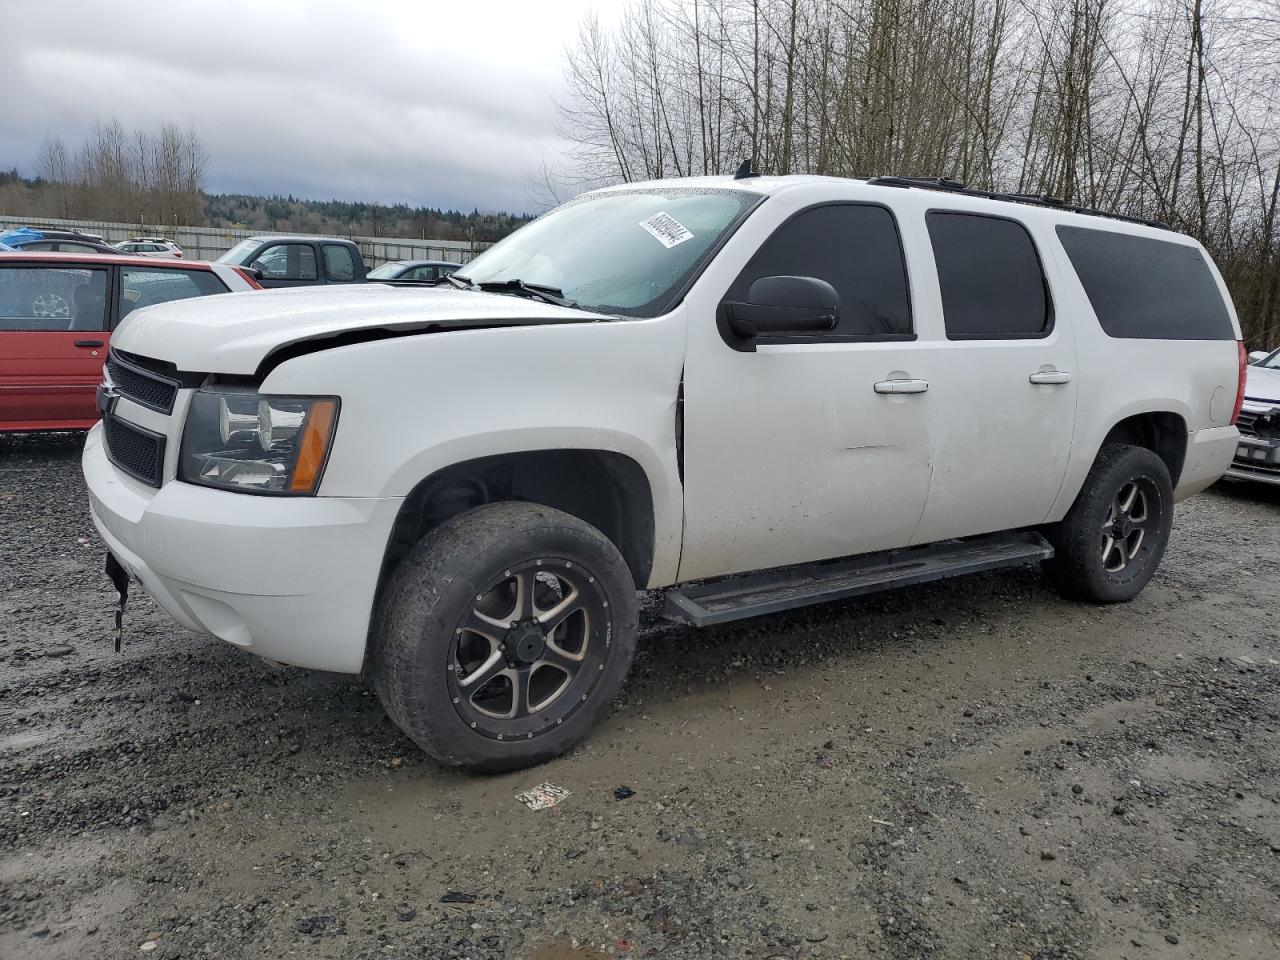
[288, 578]
[1256, 459]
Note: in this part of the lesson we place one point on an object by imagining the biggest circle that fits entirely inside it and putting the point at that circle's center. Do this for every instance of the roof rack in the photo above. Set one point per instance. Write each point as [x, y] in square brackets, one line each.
[947, 185]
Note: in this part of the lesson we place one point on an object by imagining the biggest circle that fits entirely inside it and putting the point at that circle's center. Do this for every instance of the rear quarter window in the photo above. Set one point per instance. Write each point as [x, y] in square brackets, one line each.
[1148, 289]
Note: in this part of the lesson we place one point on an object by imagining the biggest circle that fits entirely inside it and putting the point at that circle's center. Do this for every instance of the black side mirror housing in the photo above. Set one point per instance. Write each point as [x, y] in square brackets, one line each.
[783, 307]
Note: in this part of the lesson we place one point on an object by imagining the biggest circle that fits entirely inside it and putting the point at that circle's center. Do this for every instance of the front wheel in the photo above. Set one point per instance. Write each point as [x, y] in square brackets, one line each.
[1111, 541]
[504, 636]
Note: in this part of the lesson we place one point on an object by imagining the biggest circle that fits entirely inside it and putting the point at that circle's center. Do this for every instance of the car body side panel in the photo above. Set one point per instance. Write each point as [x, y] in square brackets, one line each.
[414, 405]
[1121, 378]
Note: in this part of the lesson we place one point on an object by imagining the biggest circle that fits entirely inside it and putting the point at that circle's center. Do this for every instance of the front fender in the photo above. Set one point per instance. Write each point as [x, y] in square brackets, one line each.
[415, 405]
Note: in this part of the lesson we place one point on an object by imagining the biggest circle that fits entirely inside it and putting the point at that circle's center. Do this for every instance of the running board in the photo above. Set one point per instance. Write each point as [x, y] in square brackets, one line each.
[751, 595]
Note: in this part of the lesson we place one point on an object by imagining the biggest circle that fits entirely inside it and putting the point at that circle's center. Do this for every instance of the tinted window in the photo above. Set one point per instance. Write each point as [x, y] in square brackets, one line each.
[66, 247]
[421, 273]
[141, 287]
[338, 263]
[287, 261]
[1145, 288]
[990, 276]
[52, 298]
[856, 250]
[40, 246]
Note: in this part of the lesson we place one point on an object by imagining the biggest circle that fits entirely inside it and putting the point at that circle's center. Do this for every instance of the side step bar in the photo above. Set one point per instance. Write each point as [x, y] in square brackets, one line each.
[751, 595]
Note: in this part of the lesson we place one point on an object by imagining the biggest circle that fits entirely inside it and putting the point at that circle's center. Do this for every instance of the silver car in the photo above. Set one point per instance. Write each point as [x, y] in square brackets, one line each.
[1258, 455]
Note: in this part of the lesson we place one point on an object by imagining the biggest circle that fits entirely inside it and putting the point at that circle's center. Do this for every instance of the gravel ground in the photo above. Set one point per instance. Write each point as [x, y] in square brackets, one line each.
[972, 769]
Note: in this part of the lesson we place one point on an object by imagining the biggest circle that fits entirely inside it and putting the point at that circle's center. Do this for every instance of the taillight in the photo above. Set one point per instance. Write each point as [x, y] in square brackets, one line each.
[1244, 363]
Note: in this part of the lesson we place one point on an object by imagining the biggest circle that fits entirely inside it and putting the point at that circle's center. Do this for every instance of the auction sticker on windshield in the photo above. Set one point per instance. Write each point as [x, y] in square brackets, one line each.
[666, 229]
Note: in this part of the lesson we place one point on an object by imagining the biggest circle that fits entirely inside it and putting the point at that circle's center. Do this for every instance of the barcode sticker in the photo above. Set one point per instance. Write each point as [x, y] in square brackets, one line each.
[666, 229]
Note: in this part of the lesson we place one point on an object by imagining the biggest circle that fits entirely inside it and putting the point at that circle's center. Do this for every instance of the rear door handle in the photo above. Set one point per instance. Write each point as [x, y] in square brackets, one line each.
[1050, 376]
[902, 386]
[89, 343]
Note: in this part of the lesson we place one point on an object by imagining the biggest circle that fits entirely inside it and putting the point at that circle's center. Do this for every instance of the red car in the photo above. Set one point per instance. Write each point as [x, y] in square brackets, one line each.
[57, 312]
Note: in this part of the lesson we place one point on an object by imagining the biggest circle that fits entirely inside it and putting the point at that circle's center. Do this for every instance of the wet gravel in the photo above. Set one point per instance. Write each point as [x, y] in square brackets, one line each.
[970, 769]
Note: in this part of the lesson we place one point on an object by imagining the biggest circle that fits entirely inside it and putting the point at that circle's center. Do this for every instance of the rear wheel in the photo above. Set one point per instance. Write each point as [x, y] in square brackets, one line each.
[504, 636]
[1110, 544]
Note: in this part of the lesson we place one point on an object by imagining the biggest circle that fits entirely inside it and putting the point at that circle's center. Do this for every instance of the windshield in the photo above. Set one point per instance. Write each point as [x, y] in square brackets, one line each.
[627, 252]
[1272, 362]
[237, 253]
[388, 271]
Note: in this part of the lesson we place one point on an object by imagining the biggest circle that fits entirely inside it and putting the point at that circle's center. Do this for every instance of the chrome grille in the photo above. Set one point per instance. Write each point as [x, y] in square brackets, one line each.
[138, 452]
[140, 385]
[1265, 423]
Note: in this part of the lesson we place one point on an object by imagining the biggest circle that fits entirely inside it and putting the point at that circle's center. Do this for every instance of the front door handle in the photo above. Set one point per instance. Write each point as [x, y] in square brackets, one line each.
[1050, 376]
[902, 386]
[89, 343]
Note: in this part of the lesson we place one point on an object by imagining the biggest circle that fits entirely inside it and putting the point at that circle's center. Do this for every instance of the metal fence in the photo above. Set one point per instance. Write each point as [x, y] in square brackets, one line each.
[209, 243]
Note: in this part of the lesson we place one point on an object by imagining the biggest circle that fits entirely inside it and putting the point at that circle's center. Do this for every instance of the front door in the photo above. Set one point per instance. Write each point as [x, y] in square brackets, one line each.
[1003, 385]
[53, 342]
[287, 265]
[815, 447]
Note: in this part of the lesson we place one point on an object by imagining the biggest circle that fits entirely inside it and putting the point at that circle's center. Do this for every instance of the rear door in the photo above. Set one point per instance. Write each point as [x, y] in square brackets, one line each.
[53, 338]
[1004, 382]
[339, 263]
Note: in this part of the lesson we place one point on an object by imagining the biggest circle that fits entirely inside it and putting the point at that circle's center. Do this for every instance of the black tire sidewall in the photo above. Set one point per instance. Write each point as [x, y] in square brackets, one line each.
[435, 587]
[1079, 561]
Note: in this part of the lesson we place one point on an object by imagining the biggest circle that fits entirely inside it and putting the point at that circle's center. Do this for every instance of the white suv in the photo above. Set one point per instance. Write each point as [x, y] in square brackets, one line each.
[752, 393]
[150, 247]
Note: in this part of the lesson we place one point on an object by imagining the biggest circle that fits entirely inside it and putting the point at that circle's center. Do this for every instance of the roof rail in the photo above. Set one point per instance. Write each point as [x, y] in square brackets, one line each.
[947, 185]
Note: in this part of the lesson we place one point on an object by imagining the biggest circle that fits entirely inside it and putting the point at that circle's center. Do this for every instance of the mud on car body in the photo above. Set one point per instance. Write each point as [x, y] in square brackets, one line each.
[752, 393]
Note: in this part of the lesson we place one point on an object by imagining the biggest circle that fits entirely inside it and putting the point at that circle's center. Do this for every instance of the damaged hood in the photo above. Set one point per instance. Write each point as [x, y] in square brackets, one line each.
[1262, 383]
[234, 333]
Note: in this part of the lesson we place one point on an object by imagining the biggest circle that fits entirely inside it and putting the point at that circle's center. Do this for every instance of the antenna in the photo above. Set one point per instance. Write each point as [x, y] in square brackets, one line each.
[746, 171]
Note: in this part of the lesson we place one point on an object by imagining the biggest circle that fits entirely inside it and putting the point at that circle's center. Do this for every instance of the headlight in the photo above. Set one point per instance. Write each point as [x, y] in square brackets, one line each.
[241, 440]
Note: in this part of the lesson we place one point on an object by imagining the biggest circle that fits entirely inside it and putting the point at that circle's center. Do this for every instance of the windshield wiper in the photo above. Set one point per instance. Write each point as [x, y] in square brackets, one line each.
[463, 283]
[535, 291]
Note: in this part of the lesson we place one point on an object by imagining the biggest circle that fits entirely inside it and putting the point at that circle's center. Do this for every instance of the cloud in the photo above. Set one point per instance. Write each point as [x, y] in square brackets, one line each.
[424, 103]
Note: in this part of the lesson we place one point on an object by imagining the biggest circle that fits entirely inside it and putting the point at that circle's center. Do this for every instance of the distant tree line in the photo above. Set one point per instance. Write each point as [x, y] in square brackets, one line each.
[287, 214]
[1164, 109]
[157, 179]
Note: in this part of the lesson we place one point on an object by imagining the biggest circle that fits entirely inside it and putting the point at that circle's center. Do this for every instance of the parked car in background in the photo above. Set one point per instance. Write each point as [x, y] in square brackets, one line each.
[57, 312]
[416, 271]
[293, 261]
[56, 241]
[1258, 455]
[752, 393]
[150, 247]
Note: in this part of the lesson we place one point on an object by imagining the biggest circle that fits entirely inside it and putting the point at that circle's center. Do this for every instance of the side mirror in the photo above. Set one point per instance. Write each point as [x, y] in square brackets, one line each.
[1257, 356]
[784, 307]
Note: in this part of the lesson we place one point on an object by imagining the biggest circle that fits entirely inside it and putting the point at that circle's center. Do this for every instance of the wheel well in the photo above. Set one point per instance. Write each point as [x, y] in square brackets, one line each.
[607, 490]
[1163, 433]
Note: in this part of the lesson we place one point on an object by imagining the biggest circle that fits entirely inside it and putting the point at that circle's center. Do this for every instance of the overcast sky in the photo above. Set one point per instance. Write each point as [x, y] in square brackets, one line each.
[440, 104]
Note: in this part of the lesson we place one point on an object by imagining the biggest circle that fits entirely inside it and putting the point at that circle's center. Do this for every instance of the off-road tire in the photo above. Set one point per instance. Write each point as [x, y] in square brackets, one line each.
[1079, 565]
[436, 586]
